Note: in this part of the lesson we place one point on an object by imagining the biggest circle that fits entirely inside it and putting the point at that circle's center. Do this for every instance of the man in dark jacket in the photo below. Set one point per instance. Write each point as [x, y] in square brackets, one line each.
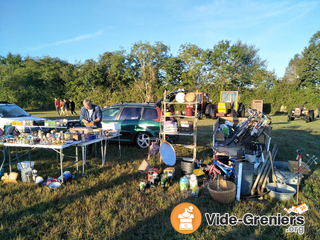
[66, 107]
[91, 113]
[72, 107]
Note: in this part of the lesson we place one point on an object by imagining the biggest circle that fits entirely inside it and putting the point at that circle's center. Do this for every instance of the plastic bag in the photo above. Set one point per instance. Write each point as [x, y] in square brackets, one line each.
[154, 148]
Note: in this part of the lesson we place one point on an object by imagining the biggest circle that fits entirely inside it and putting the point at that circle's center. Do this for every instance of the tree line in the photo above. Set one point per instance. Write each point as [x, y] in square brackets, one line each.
[143, 74]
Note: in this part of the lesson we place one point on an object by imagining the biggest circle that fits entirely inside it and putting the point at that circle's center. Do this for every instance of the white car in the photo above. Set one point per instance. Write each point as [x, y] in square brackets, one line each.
[11, 112]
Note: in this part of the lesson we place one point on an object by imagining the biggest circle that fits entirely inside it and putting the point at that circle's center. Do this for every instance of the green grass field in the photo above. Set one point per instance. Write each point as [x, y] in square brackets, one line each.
[105, 203]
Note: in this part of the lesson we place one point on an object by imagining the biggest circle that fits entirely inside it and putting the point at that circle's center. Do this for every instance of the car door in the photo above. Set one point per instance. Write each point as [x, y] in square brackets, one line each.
[150, 121]
[129, 121]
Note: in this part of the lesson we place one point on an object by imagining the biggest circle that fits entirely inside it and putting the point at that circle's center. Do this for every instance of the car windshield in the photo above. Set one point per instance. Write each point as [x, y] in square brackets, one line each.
[12, 111]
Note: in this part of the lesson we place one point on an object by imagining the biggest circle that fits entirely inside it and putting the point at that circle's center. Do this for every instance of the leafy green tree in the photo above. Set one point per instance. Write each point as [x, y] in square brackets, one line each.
[146, 64]
[114, 68]
[235, 66]
[193, 75]
[309, 64]
[173, 68]
[291, 74]
[8, 66]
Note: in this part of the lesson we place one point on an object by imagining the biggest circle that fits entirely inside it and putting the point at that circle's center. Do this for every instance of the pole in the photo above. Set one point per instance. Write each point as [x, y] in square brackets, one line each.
[299, 172]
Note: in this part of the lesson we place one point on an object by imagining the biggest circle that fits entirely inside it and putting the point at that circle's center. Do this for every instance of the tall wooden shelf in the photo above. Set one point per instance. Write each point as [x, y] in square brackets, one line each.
[192, 134]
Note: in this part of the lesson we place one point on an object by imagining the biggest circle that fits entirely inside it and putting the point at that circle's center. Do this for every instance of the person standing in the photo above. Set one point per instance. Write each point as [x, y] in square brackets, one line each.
[66, 107]
[61, 107]
[91, 113]
[57, 105]
[72, 107]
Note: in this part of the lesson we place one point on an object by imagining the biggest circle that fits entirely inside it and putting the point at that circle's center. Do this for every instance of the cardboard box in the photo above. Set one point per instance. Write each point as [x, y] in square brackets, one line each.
[220, 136]
[257, 104]
[293, 167]
[110, 126]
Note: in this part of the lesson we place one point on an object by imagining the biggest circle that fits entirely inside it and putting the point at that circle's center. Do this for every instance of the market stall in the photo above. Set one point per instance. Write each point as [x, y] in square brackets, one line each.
[58, 141]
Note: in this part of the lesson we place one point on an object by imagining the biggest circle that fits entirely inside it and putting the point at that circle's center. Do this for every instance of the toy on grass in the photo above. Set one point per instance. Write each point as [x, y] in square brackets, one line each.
[155, 180]
[142, 186]
[151, 172]
[167, 176]
[170, 171]
[166, 180]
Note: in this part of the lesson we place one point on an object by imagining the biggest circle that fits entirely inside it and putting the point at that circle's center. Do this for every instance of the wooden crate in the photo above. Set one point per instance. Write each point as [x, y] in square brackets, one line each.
[293, 167]
[257, 104]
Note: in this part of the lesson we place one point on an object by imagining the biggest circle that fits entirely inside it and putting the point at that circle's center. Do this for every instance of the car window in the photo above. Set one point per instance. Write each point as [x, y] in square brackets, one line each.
[150, 113]
[130, 114]
[12, 111]
[110, 113]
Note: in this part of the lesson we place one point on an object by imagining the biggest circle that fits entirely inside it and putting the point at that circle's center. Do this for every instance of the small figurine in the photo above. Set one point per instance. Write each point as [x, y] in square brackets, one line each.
[166, 180]
[155, 180]
[151, 172]
[142, 186]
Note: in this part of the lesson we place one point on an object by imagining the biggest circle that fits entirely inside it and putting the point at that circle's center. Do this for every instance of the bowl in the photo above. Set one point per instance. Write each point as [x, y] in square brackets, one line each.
[281, 192]
[224, 195]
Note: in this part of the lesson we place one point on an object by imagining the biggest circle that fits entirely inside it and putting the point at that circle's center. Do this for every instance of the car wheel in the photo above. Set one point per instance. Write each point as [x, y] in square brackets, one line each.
[209, 110]
[317, 113]
[214, 113]
[311, 115]
[241, 110]
[142, 140]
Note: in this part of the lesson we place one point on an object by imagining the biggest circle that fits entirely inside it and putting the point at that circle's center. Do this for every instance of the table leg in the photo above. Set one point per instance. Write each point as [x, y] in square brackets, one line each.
[119, 147]
[102, 153]
[83, 158]
[77, 160]
[9, 159]
[61, 164]
[17, 155]
[105, 150]
[29, 155]
[95, 149]
[4, 157]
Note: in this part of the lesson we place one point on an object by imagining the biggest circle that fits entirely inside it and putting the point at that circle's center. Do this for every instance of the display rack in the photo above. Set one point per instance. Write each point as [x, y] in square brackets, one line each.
[192, 133]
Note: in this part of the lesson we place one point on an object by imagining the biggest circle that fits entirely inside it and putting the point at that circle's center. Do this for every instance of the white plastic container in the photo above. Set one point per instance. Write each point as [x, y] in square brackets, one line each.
[193, 181]
[24, 164]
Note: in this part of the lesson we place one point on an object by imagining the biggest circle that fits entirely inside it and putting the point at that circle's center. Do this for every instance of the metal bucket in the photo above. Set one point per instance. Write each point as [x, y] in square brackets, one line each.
[189, 110]
[187, 166]
[281, 192]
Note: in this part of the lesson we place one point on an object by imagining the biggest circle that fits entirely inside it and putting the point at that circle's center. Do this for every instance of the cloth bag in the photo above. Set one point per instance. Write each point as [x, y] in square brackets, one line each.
[154, 148]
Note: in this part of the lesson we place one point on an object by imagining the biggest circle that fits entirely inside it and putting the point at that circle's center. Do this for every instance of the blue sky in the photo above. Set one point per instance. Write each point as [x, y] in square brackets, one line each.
[83, 29]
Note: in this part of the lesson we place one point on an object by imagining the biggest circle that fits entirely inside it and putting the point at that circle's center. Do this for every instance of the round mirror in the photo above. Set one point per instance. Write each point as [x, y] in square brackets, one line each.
[167, 153]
